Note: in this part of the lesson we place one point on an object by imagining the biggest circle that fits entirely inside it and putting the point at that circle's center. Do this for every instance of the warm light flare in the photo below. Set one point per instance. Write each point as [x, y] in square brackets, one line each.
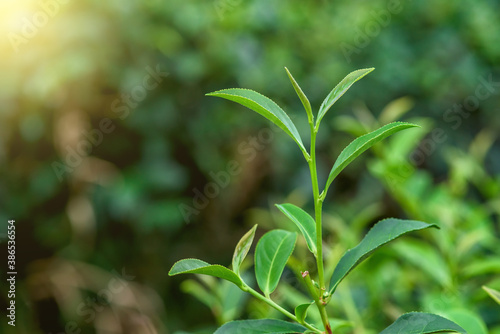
[25, 23]
[12, 15]
[31, 31]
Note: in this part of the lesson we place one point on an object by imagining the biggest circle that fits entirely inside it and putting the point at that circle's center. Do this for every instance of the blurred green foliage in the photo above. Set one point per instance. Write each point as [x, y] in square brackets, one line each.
[119, 206]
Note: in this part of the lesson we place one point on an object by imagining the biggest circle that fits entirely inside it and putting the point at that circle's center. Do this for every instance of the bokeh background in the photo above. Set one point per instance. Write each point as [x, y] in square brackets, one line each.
[107, 142]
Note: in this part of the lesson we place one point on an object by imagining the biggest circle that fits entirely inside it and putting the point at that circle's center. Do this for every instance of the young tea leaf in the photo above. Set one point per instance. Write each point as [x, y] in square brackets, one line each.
[195, 266]
[304, 222]
[260, 326]
[361, 144]
[422, 323]
[242, 249]
[303, 98]
[493, 293]
[339, 90]
[301, 312]
[271, 255]
[264, 106]
[384, 231]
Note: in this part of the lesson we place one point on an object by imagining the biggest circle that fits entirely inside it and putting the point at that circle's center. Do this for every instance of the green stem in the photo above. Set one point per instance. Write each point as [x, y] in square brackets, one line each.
[257, 295]
[317, 209]
[319, 304]
[318, 203]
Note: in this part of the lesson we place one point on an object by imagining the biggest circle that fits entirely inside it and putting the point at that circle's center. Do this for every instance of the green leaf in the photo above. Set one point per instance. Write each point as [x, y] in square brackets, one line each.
[242, 248]
[301, 312]
[304, 222]
[384, 231]
[422, 323]
[260, 326]
[303, 98]
[339, 90]
[493, 293]
[361, 144]
[264, 106]
[195, 266]
[271, 255]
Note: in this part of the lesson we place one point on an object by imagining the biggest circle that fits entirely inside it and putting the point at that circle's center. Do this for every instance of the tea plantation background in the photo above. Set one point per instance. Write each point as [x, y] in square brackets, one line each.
[115, 165]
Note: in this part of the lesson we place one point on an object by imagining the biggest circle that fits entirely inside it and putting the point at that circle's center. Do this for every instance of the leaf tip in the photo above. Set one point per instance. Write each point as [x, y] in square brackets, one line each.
[171, 271]
[413, 125]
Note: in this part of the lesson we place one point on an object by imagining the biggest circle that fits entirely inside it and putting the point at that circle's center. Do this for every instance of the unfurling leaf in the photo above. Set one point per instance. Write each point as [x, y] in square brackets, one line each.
[242, 248]
[303, 98]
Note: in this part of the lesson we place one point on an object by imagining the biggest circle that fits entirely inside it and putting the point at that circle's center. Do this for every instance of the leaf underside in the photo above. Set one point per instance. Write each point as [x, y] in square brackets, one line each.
[195, 266]
[422, 323]
[303, 221]
[301, 312]
[381, 233]
[242, 248]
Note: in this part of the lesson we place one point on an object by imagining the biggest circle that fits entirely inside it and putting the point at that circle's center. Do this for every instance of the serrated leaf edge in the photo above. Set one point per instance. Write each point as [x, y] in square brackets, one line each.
[410, 125]
[295, 136]
[323, 104]
[417, 312]
[359, 260]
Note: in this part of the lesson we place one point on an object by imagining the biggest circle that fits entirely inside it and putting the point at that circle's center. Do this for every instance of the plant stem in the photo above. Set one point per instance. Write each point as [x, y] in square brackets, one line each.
[319, 304]
[317, 208]
[318, 203]
[277, 307]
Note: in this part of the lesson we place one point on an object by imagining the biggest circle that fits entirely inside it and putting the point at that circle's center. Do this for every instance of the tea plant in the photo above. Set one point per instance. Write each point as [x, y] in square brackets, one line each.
[275, 247]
